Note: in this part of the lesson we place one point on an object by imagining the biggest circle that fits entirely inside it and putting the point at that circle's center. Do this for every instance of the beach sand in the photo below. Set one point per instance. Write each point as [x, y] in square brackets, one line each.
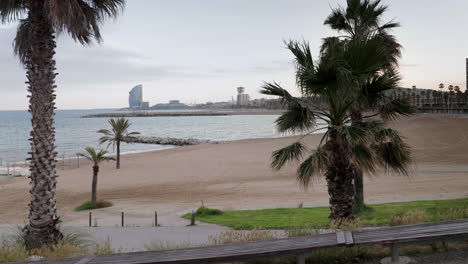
[237, 175]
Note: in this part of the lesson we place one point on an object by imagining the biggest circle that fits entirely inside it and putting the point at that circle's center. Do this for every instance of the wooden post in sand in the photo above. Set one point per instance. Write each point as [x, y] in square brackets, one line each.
[90, 219]
[192, 220]
[123, 222]
[155, 219]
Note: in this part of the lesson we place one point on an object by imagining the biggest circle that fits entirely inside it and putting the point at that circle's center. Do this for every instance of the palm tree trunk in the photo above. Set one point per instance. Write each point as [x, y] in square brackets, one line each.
[356, 118]
[339, 178]
[118, 155]
[40, 64]
[94, 186]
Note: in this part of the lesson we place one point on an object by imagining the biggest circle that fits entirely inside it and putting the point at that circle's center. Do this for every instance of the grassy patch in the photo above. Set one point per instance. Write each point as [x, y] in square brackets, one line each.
[317, 217]
[90, 206]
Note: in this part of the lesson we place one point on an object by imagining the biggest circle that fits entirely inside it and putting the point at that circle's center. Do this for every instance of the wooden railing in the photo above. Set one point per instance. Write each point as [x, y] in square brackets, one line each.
[298, 246]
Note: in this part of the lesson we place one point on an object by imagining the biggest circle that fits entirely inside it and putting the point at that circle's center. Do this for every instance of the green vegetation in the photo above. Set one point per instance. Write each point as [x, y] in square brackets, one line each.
[205, 211]
[90, 205]
[377, 215]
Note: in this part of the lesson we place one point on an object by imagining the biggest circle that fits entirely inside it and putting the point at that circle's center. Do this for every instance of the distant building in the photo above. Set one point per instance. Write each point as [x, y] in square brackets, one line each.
[428, 100]
[135, 99]
[173, 104]
[242, 98]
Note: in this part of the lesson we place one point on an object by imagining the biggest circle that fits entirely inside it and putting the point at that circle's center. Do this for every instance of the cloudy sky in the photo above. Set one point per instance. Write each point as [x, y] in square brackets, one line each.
[201, 50]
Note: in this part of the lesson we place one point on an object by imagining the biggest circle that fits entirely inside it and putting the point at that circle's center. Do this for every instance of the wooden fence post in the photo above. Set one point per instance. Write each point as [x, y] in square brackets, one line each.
[192, 219]
[395, 253]
[90, 219]
[123, 222]
[155, 219]
[300, 259]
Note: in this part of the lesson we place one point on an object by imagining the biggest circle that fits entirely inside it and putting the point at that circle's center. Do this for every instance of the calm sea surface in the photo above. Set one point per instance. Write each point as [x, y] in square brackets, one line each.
[74, 133]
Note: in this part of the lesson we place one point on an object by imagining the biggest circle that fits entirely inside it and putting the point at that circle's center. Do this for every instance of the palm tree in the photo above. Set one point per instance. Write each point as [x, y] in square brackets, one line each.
[360, 20]
[328, 95]
[39, 23]
[118, 134]
[96, 158]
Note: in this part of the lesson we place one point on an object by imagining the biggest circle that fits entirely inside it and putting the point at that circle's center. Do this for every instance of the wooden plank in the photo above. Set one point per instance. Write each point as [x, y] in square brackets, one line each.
[226, 253]
[340, 238]
[349, 238]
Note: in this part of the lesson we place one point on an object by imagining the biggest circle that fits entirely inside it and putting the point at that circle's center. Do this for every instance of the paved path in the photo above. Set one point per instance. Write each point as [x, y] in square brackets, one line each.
[137, 238]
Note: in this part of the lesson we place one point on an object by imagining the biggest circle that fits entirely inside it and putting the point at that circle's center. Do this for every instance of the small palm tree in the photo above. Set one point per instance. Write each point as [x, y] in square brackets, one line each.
[117, 134]
[96, 158]
[40, 21]
[328, 95]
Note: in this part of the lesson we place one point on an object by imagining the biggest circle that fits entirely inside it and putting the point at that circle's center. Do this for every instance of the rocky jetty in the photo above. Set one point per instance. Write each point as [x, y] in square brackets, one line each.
[171, 141]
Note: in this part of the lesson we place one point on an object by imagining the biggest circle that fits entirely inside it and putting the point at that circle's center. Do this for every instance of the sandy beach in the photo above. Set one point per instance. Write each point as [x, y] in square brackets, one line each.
[237, 175]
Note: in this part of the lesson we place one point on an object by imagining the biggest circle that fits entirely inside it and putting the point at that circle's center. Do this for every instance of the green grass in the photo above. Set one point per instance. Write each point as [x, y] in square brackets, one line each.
[90, 206]
[374, 215]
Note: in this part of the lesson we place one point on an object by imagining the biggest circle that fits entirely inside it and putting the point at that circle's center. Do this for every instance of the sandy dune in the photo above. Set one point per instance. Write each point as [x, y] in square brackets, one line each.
[237, 175]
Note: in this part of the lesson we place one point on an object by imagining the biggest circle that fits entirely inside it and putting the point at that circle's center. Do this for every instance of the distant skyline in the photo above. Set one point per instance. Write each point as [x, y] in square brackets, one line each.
[199, 51]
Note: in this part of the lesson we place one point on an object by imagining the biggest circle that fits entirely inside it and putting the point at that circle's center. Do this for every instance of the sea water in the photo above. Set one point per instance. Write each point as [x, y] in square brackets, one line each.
[74, 133]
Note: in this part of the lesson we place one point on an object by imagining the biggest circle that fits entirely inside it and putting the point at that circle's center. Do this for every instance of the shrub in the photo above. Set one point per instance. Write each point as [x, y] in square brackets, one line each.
[205, 211]
[301, 231]
[13, 254]
[61, 250]
[104, 248]
[161, 245]
[90, 206]
[233, 237]
[453, 214]
[408, 218]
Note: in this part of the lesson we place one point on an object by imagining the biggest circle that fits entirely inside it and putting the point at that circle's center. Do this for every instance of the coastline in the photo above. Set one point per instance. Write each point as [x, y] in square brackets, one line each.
[237, 175]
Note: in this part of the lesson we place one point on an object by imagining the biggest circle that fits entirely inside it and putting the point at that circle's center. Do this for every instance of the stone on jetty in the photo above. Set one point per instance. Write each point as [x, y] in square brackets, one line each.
[171, 141]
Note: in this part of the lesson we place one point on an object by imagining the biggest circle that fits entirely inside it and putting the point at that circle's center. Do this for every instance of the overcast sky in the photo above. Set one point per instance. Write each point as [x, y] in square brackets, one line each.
[201, 50]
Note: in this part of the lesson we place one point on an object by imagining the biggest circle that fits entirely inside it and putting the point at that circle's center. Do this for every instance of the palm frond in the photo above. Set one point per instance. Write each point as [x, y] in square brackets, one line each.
[11, 10]
[295, 119]
[287, 154]
[396, 156]
[119, 132]
[22, 41]
[81, 18]
[395, 108]
[314, 165]
[108, 8]
[364, 157]
[95, 157]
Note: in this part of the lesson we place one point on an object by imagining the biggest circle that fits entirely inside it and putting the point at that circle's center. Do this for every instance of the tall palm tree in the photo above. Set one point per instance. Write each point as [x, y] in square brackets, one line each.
[117, 134]
[359, 20]
[96, 158]
[328, 95]
[39, 23]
